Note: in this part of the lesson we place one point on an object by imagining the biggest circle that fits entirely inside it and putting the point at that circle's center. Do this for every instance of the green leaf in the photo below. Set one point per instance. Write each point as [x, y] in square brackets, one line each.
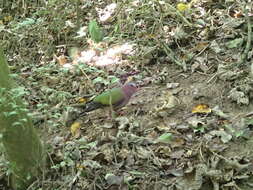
[135, 172]
[165, 138]
[249, 122]
[113, 79]
[16, 124]
[25, 23]
[95, 31]
[12, 113]
[113, 179]
[225, 137]
[234, 43]
[100, 80]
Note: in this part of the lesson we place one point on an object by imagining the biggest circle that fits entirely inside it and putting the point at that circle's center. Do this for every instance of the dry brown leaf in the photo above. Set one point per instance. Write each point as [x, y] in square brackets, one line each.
[61, 59]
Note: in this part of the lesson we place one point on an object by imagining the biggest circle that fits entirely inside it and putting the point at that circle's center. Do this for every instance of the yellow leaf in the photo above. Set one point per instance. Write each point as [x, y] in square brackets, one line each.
[182, 7]
[201, 108]
[129, 79]
[82, 100]
[80, 167]
[75, 129]
[8, 18]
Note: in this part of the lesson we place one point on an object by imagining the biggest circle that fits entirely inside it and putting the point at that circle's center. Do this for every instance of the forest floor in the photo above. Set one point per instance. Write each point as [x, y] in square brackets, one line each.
[189, 126]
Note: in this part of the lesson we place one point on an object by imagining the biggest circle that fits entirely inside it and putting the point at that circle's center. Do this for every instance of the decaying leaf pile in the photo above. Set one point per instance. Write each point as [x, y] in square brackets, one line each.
[188, 127]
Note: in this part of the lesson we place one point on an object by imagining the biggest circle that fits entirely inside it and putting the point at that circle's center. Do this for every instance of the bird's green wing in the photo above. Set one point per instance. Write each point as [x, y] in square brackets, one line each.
[112, 96]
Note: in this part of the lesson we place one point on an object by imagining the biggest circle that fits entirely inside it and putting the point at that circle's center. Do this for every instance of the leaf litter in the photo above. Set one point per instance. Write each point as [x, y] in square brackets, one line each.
[190, 124]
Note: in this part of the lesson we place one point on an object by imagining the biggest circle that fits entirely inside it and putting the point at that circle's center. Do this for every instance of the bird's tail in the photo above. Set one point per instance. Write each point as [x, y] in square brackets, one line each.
[90, 106]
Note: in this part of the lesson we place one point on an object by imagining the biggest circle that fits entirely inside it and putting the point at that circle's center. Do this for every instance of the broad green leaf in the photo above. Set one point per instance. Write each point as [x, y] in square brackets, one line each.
[165, 138]
[234, 43]
[95, 31]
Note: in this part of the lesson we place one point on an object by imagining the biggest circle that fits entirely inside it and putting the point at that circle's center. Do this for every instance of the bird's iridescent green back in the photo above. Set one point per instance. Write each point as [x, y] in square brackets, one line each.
[112, 96]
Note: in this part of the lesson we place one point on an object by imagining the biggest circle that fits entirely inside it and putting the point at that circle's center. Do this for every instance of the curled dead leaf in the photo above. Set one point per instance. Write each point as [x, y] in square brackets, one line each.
[61, 59]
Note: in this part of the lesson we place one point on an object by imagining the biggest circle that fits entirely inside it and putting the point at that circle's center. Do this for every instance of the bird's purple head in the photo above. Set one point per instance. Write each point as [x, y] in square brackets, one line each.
[129, 89]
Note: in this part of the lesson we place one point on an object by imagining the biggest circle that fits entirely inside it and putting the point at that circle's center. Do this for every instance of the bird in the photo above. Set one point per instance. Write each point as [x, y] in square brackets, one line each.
[115, 97]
